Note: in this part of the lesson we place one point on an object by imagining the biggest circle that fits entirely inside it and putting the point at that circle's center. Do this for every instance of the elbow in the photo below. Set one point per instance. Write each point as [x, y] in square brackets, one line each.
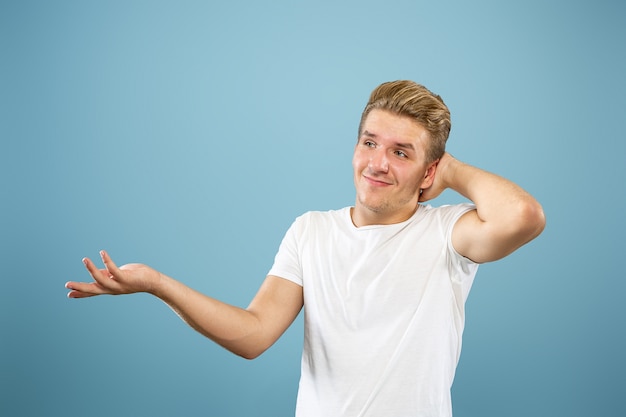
[250, 354]
[532, 219]
[247, 349]
[519, 224]
[247, 341]
[249, 357]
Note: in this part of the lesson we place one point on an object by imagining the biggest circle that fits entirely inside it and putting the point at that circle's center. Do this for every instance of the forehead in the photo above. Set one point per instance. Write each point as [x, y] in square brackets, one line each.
[387, 126]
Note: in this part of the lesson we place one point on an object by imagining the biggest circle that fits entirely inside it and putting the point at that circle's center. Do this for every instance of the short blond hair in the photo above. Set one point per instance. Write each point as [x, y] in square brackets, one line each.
[413, 100]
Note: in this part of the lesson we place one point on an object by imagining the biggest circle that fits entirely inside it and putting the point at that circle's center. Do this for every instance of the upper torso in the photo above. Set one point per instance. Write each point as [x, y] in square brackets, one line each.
[384, 312]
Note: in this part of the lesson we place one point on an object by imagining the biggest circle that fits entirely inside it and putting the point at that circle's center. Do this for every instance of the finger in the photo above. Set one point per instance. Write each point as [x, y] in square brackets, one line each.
[114, 271]
[79, 294]
[84, 289]
[99, 275]
[76, 294]
[106, 284]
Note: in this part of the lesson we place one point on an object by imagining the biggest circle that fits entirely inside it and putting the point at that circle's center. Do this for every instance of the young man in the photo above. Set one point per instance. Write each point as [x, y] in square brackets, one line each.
[384, 282]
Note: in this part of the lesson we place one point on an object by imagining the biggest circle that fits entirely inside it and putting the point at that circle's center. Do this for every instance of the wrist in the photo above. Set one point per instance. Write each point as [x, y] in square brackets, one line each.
[158, 285]
[447, 170]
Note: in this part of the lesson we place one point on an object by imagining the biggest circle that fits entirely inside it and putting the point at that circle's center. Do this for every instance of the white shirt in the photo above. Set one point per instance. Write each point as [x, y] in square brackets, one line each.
[384, 312]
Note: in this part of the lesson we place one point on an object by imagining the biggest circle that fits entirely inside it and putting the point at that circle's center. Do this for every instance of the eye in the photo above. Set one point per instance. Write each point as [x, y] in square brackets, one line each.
[401, 154]
[369, 144]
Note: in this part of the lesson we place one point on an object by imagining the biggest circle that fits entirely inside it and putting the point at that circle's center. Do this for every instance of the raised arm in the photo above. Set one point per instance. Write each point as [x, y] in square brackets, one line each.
[245, 332]
[506, 216]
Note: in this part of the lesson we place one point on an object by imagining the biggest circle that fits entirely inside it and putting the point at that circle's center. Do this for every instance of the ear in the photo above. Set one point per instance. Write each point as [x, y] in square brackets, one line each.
[429, 175]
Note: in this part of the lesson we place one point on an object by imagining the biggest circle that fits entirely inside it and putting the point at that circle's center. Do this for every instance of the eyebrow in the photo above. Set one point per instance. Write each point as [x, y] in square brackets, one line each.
[402, 145]
[406, 146]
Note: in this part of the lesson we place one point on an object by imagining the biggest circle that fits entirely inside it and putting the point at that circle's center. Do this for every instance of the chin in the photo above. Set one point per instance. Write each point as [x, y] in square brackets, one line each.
[374, 206]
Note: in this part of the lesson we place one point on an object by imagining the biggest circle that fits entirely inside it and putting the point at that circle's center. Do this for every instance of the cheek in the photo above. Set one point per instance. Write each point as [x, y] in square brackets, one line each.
[357, 162]
[412, 180]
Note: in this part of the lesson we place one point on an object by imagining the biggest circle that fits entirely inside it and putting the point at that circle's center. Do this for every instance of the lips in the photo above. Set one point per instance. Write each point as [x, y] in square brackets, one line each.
[376, 182]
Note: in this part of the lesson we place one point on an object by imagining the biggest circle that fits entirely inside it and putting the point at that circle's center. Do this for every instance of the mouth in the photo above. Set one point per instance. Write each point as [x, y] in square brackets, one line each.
[376, 182]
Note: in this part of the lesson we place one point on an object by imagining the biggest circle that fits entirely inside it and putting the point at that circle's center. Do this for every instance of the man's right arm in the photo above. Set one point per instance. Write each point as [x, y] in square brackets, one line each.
[245, 332]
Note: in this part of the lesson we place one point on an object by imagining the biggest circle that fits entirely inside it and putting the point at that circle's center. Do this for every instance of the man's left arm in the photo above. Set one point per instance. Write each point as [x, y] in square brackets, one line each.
[506, 216]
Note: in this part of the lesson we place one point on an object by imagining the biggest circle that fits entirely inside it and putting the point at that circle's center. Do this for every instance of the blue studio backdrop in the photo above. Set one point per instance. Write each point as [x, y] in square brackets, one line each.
[188, 135]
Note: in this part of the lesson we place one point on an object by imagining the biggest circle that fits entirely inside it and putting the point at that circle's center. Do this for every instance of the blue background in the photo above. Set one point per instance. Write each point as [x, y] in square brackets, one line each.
[188, 135]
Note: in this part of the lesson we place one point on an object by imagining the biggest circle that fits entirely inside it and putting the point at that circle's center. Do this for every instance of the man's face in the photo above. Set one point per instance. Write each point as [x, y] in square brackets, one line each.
[389, 168]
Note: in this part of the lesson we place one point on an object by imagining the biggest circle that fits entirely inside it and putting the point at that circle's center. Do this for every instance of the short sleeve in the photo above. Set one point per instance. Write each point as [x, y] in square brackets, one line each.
[287, 263]
[462, 270]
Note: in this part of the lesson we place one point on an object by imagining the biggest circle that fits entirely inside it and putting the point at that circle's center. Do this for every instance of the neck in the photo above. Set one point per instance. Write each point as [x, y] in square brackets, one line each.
[363, 216]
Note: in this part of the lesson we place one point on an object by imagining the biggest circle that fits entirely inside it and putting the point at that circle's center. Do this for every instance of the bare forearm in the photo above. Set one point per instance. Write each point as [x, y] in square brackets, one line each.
[234, 328]
[245, 332]
[497, 199]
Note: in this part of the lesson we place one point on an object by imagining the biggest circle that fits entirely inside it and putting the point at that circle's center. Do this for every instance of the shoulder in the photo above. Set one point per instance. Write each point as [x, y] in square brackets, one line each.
[324, 216]
[447, 213]
[320, 220]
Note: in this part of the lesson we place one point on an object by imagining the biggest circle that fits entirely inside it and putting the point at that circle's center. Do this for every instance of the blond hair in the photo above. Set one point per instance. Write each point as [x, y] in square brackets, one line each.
[407, 98]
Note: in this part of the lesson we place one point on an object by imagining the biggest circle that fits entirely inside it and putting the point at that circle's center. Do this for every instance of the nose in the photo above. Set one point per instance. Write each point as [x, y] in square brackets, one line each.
[378, 161]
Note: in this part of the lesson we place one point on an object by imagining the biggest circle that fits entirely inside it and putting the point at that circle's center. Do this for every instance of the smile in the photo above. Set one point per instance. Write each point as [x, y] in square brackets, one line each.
[375, 182]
